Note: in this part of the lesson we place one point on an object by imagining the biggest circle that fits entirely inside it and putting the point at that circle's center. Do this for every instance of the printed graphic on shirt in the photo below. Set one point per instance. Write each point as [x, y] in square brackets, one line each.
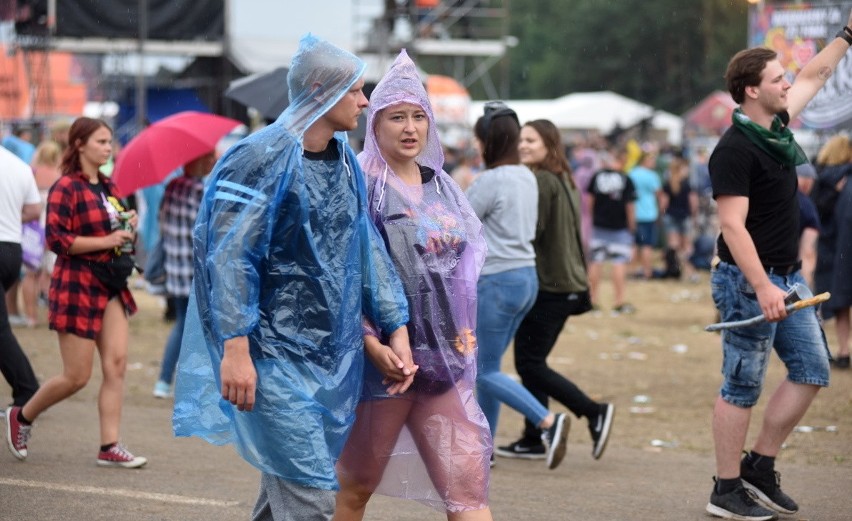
[117, 219]
[611, 184]
[439, 236]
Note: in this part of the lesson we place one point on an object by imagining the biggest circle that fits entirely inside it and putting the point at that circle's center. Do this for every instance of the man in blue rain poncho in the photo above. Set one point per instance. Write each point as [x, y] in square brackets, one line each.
[286, 263]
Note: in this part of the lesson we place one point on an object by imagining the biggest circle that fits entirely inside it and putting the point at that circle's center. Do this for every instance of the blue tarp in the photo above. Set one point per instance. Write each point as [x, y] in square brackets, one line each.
[161, 103]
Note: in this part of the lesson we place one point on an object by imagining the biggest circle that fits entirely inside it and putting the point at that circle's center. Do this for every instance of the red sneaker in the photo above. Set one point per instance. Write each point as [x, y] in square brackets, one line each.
[17, 434]
[119, 456]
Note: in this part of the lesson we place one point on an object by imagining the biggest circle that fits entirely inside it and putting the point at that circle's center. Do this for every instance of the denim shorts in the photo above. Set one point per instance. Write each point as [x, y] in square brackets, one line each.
[798, 340]
[646, 234]
[678, 225]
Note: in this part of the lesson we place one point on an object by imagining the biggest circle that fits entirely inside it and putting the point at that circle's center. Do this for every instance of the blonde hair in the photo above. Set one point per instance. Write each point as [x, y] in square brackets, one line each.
[48, 153]
[835, 151]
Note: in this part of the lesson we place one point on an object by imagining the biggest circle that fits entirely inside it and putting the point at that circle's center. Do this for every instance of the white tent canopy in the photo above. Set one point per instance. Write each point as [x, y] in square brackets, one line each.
[598, 111]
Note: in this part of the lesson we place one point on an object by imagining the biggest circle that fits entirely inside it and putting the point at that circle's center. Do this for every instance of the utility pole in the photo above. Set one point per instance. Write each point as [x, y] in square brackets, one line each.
[141, 92]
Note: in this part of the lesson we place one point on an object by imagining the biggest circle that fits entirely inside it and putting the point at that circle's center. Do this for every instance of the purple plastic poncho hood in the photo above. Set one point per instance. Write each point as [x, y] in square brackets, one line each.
[435, 241]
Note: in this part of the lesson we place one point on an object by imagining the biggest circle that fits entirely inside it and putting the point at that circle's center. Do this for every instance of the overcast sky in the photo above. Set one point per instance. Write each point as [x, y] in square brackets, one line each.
[276, 26]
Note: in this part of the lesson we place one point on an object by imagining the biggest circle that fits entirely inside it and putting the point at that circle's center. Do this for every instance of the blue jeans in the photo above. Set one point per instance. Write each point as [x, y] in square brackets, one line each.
[503, 301]
[172, 351]
[798, 340]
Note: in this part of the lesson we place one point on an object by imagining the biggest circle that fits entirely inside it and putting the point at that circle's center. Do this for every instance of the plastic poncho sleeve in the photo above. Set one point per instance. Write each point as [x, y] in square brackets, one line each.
[241, 212]
[384, 303]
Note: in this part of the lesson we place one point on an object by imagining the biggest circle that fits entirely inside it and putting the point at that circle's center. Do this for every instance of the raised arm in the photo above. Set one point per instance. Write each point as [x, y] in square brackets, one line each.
[817, 71]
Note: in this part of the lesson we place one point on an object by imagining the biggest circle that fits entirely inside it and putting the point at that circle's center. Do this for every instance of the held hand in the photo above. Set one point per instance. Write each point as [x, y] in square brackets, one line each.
[134, 219]
[117, 238]
[771, 300]
[393, 368]
[401, 348]
[239, 377]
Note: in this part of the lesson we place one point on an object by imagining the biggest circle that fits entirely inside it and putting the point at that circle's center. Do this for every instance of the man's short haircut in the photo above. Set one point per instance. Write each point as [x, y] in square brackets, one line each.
[744, 70]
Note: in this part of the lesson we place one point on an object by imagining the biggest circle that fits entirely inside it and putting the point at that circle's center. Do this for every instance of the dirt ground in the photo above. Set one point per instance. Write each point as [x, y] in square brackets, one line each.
[658, 366]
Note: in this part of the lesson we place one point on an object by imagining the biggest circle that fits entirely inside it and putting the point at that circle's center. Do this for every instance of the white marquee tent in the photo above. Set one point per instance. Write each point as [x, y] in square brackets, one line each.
[598, 111]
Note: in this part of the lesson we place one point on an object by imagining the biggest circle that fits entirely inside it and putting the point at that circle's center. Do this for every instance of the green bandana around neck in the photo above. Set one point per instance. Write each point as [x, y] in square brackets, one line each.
[777, 141]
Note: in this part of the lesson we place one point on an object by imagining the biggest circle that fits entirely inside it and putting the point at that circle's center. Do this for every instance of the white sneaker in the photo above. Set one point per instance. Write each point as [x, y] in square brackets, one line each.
[18, 320]
[163, 390]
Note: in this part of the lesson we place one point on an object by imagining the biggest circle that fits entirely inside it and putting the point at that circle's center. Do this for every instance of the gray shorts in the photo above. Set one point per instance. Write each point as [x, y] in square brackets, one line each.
[614, 246]
[281, 500]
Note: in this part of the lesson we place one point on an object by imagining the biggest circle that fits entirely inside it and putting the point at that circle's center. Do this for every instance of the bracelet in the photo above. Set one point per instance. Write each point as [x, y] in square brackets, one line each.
[846, 34]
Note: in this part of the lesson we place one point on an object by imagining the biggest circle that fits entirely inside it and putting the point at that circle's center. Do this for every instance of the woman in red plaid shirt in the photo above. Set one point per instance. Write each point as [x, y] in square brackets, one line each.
[84, 229]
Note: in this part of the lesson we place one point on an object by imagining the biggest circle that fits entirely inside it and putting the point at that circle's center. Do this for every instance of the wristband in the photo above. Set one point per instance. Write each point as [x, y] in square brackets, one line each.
[846, 34]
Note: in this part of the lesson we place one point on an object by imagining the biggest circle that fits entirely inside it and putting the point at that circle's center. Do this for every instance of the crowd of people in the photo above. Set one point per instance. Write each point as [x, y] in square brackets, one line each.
[304, 275]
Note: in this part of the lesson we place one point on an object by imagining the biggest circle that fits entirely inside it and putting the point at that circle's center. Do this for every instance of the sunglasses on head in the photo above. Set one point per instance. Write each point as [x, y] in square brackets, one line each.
[497, 109]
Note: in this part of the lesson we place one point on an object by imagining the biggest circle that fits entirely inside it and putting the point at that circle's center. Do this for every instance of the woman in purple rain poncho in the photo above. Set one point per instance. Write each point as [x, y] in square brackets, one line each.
[431, 444]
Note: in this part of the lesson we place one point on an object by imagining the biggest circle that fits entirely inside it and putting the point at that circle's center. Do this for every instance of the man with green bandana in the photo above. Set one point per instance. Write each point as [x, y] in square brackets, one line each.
[754, 183]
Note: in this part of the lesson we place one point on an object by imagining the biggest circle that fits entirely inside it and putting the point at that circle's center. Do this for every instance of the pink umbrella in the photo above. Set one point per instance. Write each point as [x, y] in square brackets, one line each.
[165, 145]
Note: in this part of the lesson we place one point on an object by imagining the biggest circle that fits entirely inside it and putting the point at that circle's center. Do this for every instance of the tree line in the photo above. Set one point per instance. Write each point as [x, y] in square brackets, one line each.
[666, 53]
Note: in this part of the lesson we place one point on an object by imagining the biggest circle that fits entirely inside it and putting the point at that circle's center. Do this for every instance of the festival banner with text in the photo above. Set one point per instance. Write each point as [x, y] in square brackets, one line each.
[797, 32]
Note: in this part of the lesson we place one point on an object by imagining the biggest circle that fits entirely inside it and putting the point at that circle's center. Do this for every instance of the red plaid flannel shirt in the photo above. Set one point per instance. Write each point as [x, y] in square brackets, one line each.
[77, 299]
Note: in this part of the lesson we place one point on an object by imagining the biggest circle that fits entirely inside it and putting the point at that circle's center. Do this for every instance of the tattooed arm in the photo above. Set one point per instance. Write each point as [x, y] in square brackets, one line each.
[814, 75]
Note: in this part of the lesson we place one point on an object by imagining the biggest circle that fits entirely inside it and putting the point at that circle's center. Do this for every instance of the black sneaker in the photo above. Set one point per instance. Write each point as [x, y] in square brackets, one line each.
[738, 504]
[841, 362]
[599, 427]
[766, 487]
[555, 440]
[522, 449]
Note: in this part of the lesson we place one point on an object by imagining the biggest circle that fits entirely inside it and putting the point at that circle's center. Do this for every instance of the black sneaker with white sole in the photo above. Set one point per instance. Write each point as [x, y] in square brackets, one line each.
[522, 449]
[555, 439]
[766, 487]
[599, 427]
[738, 504]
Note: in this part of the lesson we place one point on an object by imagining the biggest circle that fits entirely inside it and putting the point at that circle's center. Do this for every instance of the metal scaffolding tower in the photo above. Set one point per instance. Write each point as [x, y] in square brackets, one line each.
[464, 39]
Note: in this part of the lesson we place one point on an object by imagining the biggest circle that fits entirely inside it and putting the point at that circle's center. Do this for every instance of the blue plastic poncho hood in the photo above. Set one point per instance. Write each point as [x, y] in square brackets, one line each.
[286, 255]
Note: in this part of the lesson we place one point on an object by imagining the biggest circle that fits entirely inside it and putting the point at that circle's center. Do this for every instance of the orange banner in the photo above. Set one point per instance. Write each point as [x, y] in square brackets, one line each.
[38, 84]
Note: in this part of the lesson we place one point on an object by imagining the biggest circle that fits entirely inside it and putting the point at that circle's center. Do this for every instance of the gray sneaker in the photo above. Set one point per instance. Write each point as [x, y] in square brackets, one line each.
[766, 486]
[738, 504]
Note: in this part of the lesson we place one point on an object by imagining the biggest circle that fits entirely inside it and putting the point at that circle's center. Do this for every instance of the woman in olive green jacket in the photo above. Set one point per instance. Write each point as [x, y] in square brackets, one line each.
[563, 291]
